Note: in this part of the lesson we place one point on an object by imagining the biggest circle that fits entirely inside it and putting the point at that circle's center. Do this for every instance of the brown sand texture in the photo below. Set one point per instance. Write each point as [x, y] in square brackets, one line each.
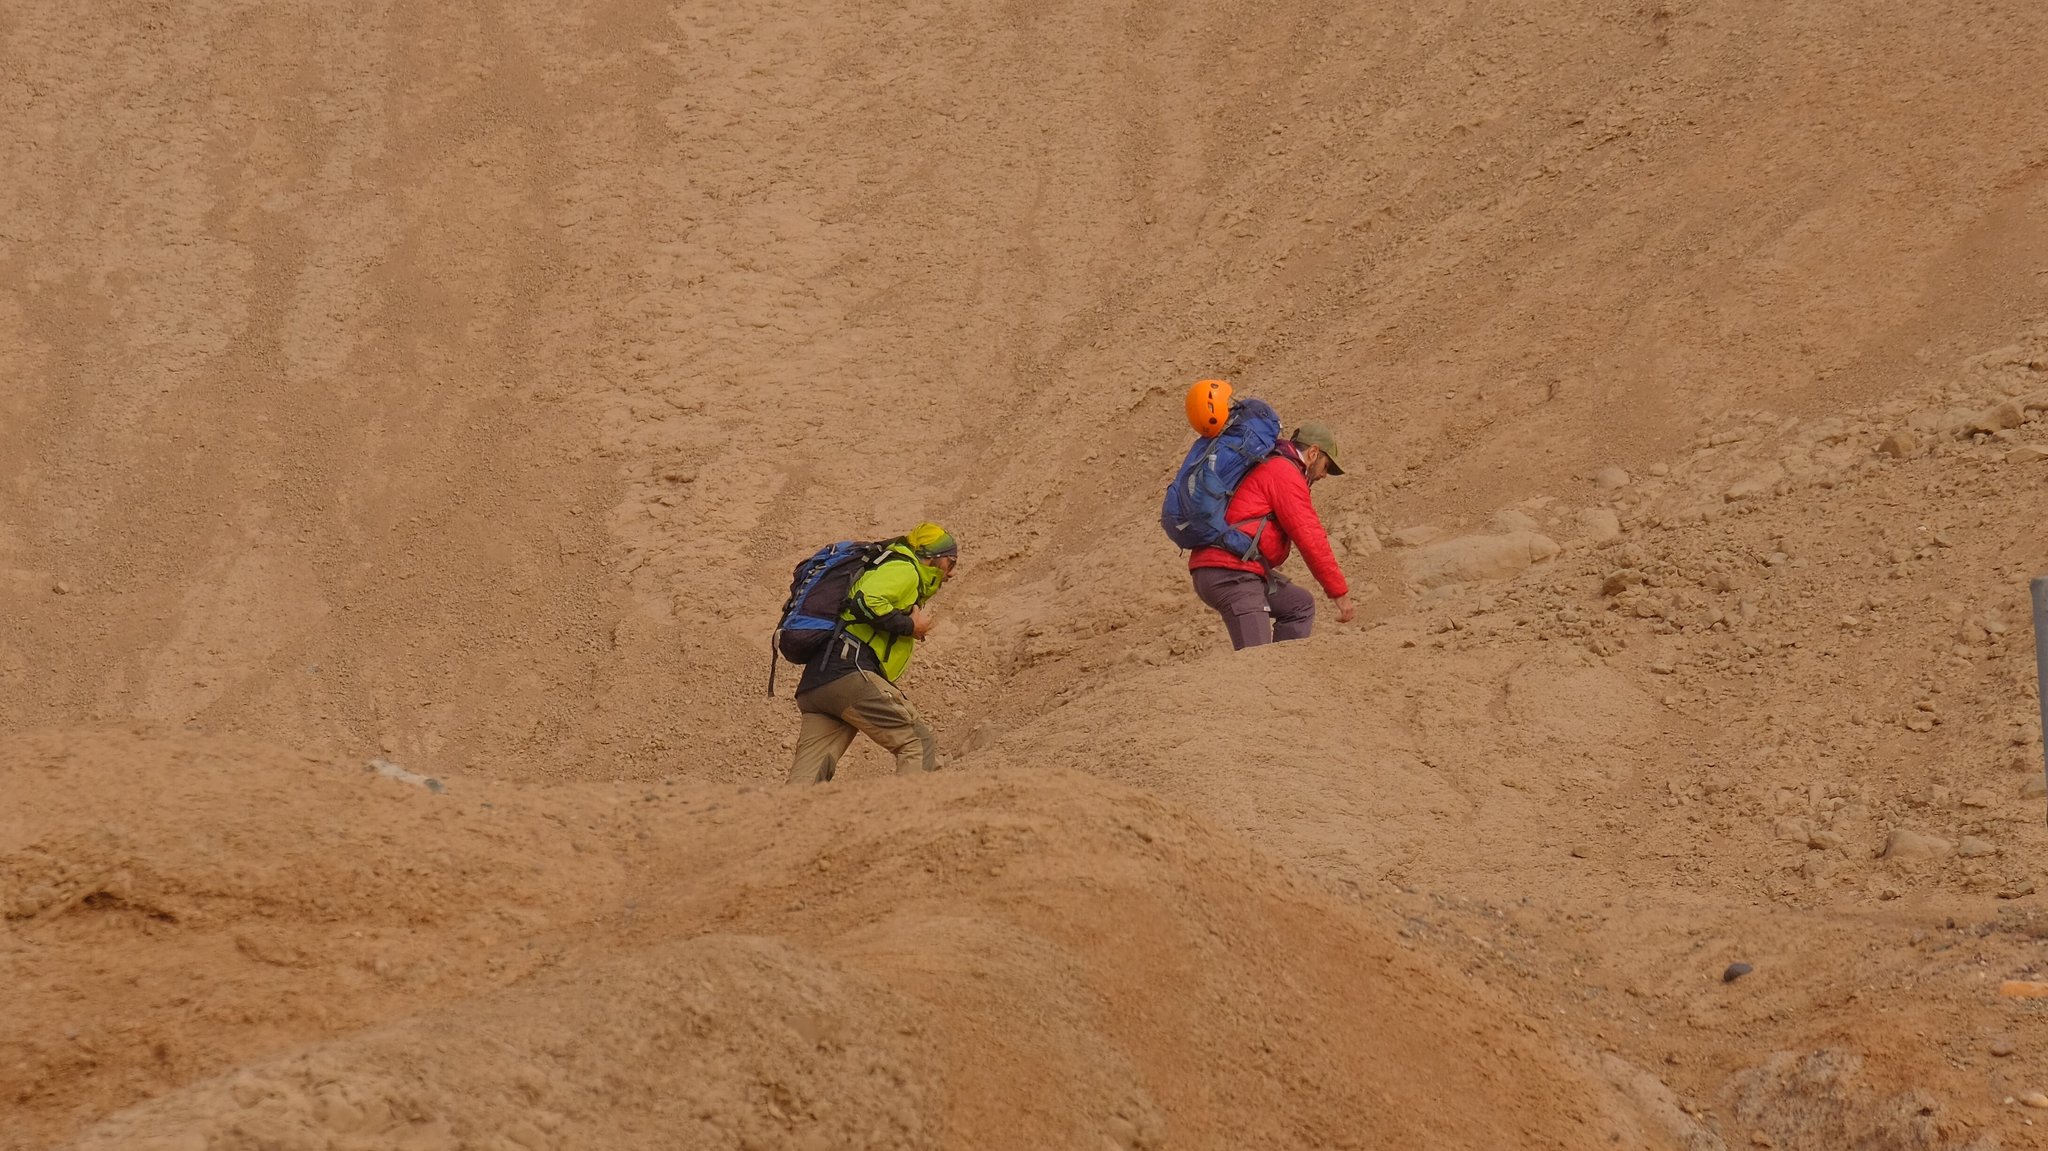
[410, 414]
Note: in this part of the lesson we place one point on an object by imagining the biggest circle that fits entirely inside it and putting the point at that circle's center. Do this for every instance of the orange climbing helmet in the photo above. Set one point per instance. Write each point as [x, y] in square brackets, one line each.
[1209, 407]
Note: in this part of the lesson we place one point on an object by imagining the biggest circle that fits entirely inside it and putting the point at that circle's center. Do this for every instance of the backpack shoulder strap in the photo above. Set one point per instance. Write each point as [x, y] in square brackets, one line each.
[886, 555]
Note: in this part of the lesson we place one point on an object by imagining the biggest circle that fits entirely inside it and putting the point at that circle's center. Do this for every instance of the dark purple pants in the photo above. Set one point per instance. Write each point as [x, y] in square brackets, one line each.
[1256, 609]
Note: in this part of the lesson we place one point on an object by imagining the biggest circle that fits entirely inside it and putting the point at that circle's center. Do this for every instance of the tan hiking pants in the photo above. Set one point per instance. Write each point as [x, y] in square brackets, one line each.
[860, 703]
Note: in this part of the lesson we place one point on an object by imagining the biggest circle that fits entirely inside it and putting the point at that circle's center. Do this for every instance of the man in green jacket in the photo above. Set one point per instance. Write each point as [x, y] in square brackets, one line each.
[849, 687]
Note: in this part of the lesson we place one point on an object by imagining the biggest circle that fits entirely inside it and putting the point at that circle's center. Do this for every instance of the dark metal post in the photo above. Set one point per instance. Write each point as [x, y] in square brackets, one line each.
[2041, 660]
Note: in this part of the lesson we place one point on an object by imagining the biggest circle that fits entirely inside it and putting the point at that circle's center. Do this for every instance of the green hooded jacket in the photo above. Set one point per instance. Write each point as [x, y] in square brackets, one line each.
[901, 581]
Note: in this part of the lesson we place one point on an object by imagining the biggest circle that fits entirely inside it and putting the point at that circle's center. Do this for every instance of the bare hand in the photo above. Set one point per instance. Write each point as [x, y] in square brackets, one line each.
[1345, 609]
[921, 622]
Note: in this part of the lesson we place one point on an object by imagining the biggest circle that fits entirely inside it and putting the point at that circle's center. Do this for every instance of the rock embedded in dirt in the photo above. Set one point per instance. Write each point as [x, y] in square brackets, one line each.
[1610, 478]
[1354, 534]
[1468, 559]
[1360, 541]
[1903, 843]
[1933, 795]
[2027, 454]
[1600, 524]
[1735, 971]
[1414, 536]
[1997, 418]
[1754, 485]
[2035, 788]
[1816, 870]
[2002, 1046]
[390, 770]
[1974, 847]
[1901, 444]
[983, 735]
[1510, 520]
[2035, 1099]
[1792, 830]
[1620, 580]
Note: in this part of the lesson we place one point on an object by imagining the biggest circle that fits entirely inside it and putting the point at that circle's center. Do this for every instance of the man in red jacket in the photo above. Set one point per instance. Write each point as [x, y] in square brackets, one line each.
[1257, 603]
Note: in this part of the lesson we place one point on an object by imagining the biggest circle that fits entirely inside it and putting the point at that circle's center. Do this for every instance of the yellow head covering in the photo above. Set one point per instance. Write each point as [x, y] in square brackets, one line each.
[932, 541]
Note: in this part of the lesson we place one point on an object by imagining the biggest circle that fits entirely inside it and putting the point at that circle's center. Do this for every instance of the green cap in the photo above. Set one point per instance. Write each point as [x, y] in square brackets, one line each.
[1319, 436]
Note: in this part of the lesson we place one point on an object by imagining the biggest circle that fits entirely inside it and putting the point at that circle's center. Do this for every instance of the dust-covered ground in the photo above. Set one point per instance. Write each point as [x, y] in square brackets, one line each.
[453, 387]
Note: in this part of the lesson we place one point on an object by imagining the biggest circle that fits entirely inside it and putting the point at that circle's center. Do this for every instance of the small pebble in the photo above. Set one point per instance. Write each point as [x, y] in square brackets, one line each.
[2002, 1046]
[1609, 478]
[1899, 444]
[1736, 971]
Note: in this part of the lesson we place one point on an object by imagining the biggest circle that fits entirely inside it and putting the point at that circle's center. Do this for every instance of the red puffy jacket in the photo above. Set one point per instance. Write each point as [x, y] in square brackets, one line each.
[1278, 488]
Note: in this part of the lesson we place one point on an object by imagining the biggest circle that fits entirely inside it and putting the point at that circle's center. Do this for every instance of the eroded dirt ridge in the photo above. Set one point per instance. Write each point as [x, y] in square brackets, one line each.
[451, 390]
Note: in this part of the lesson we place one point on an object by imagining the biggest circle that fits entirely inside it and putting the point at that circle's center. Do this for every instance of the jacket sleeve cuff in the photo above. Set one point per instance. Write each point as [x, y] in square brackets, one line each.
[896, 623]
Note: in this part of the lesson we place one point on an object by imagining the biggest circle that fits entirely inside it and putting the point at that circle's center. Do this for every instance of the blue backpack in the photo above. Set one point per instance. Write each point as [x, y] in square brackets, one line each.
[817, 593]
[1193, 514]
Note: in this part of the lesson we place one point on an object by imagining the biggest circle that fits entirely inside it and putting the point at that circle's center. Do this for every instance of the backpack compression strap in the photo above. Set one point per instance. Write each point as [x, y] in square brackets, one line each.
[838, 625]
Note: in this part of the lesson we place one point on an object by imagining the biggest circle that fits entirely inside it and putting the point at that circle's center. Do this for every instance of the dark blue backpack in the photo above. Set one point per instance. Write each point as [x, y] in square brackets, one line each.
[817, 593]
[1193, 514]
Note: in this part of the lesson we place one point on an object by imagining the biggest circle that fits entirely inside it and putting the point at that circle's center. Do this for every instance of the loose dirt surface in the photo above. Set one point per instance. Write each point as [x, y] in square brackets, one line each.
[450, 389]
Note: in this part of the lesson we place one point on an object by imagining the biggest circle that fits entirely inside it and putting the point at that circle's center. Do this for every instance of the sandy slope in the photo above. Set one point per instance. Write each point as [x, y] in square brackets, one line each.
[456, 384]
[1025, 960]
[1693, 742]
